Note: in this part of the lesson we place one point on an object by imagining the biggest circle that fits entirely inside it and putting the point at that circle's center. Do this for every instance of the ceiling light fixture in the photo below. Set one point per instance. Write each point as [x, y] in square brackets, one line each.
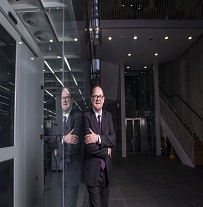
[129, 54]
[166, 38]
[51, 40]
[156, 54]
[189, 38]
[109, 38]
[75, 39]
[135, 37]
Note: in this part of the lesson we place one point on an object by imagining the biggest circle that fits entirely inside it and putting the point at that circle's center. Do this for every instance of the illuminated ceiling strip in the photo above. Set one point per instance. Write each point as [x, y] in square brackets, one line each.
[4, 97]
[4, 103]
[77, 105]
[49, 93]
[53, 73]
[49, 66]
[66, 61]
[4, 113]
[59, 81]
[80, 91]
[11, 83]
[50, 111]
[74, 80]
[5, 88]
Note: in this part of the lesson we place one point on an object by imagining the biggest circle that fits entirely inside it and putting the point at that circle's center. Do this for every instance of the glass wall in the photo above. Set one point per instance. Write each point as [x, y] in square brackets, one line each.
[6, 183]
[7, 103]
[7, 87]
[71, 69]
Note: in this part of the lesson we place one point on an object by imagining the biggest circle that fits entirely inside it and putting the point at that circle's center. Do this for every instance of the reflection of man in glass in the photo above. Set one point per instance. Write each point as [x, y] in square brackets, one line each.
[72, 164]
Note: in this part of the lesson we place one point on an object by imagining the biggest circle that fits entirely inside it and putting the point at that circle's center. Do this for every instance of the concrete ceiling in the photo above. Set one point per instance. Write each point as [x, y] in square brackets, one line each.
[55, 19]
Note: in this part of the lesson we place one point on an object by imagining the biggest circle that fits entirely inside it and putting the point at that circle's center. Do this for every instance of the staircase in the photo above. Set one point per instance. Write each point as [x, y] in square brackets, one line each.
[198, 152]
[186, 143]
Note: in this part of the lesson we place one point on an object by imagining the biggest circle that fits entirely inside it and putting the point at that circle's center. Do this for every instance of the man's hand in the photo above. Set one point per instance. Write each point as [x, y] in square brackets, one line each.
[70, 138]
[91, 138]
[109, 151]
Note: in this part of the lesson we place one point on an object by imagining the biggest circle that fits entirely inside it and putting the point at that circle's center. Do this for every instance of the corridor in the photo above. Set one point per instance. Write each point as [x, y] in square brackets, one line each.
[142, 180]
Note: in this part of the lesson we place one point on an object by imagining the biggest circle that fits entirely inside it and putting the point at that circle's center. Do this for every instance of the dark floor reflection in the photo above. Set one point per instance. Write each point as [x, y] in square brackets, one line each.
[141, 180]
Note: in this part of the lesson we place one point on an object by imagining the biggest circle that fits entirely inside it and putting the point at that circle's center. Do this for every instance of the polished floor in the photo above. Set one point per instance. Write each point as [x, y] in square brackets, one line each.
[141, 180]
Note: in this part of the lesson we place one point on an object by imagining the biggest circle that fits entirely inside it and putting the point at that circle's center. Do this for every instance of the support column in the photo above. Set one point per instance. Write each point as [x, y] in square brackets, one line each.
[157, 108]
[123, 127]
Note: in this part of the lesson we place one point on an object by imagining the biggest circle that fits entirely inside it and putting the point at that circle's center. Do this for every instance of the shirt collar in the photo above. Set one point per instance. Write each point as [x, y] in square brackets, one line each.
[96, 113]
[67, 114]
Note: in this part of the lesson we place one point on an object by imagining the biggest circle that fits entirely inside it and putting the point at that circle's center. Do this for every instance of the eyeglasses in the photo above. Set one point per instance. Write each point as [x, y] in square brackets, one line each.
[95, 97]
[66, 98]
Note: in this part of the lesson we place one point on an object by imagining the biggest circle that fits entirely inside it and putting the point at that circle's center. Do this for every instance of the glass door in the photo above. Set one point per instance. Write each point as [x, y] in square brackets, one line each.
[7, 105]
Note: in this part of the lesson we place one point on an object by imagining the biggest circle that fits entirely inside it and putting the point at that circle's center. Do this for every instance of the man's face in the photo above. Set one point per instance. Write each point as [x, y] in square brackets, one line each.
[97, 99]
[66, 100]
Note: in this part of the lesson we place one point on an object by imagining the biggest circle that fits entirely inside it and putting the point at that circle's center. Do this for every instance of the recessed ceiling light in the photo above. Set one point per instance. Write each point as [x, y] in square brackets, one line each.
[156, 54]
[189, 38]
[75, 39]
[128, 67]
[20, 43]
[109, 38]
[123, 5]
[129, 54]
[166, 38]
[44, 70]
[58, 56]
[145, 67]
[90, 29]
[131, 5]
[50, 40]
[32, 58]
[135, 37]
[61, 69]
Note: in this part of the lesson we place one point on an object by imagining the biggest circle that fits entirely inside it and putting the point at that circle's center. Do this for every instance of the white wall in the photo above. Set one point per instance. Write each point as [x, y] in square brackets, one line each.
[29, 106]
[186, 80]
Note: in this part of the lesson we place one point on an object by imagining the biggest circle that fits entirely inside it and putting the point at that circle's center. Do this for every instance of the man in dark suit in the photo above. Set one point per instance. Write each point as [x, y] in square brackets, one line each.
[99, 137]
[72, 149]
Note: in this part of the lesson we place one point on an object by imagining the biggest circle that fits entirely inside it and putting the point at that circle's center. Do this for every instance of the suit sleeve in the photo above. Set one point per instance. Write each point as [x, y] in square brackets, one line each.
[108, 138]
[93, 149]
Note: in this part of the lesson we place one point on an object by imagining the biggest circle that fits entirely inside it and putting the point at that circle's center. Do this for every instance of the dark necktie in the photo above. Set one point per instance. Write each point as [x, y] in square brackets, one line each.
[99, 122]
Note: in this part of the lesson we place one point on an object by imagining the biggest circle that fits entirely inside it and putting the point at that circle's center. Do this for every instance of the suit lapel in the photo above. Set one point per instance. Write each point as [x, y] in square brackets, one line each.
[104, 120]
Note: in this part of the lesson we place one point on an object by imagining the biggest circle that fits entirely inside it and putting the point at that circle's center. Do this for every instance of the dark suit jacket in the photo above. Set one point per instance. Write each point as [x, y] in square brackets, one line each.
[95, 152]
[73, 154]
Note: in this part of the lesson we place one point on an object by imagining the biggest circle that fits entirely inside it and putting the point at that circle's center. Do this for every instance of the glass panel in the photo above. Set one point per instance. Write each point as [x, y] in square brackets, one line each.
[6, 183]
[63, 160]
[7, 88]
